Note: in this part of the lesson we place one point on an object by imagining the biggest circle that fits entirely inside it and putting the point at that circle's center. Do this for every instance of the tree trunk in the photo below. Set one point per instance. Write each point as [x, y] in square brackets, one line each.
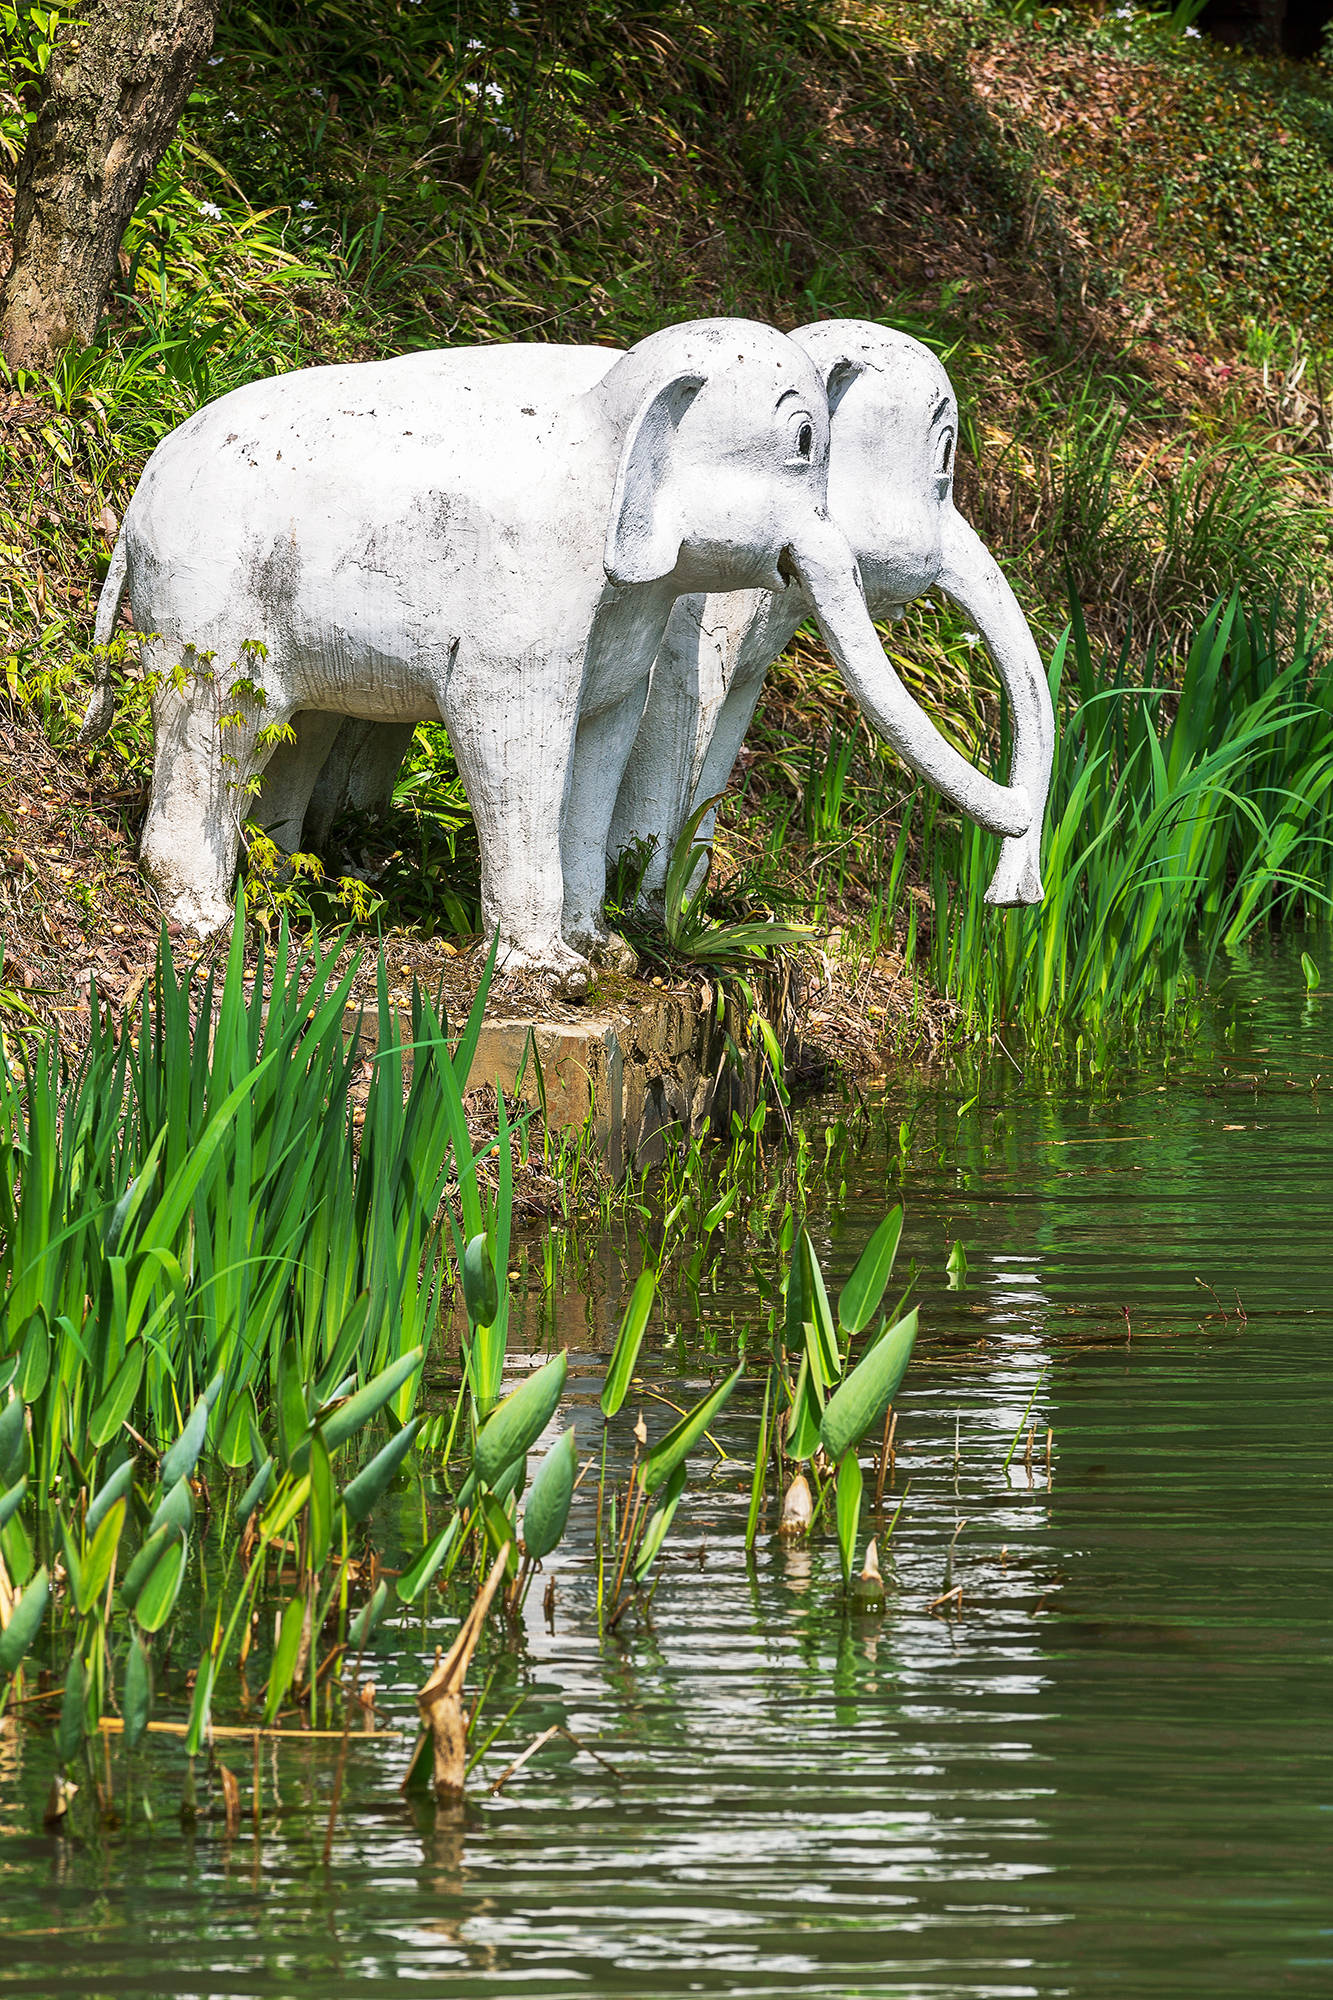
[117, 82]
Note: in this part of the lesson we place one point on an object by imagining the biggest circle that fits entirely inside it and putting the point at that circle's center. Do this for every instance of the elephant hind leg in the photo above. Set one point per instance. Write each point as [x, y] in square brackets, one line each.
[358, 774]
[200, 790]
[290, 776]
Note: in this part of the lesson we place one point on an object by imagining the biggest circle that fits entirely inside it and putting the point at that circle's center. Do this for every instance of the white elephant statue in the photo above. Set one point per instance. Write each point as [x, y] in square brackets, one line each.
[495, 538]
[893, 435]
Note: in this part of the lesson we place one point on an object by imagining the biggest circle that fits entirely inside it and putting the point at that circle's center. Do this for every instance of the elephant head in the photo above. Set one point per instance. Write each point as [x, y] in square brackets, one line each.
[726, 485]
[894, 433]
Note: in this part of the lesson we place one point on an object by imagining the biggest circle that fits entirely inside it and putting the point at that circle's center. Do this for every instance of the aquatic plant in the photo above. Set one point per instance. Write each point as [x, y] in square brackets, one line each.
[1182, 818]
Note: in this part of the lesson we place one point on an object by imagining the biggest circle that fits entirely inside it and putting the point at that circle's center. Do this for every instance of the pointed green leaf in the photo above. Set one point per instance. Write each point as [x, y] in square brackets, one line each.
[366, 1488]
[201, 1707]
[321, 1503]
[675, 1447]
[255, 1492]
[861, 1400]
[547, 1510]
[821, 1335]
[13, 1440]
[113, 1488]
[285, 1655]
[11, 1502]
[514, 1425]
[111, 1412]
[481, 1294]
[183, 1456]
[368, 1617]
[346, 1418]
[142, 1566]
[849, 1511]
[859, 1300]
[36, 1358]
[137, 1700]
[499, 1531]
[175, 1509]
[293, 1416]
[806, 1414]
[513, 1479]
[156, 1599]
[24, 1624]
[291, 1497]
[418, 1574]
[625, 1354]
[98, 1558]
[656, 1532]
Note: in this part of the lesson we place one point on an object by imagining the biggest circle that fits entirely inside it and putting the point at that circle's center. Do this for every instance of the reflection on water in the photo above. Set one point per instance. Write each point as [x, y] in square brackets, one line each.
[1107, 1772]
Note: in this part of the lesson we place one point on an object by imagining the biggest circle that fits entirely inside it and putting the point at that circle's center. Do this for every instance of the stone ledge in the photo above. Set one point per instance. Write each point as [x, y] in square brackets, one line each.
[631, 1072]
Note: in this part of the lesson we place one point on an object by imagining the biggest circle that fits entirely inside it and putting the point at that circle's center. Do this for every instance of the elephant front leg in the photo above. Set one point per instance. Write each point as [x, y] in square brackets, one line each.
[601, 750]
[513, 734]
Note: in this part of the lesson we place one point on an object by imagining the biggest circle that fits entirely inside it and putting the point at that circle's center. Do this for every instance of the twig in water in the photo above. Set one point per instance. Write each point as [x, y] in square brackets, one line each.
[1023, 1419]
[539, 1742]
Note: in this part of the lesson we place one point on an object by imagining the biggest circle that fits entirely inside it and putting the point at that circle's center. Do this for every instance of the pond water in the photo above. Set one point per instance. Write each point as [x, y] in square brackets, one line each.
[1105, 1770]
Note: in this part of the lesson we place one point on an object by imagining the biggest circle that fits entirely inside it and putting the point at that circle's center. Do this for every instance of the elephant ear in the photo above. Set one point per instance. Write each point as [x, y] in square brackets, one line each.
[644, 535]
[839, 377]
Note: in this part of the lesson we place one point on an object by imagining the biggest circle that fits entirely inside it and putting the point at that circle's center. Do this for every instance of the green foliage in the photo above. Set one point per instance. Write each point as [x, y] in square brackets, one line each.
[625, 1354]
[1179, 822]
[516, 1423]
[180, 1211]
[547, 1509]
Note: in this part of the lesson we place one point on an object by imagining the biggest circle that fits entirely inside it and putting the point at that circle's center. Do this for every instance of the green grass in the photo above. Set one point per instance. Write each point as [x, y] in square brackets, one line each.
[185, 1211]
[1181, 819]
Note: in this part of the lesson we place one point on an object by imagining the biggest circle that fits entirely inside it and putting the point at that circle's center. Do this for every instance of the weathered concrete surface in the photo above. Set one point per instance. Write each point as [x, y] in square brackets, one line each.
[633, 1073]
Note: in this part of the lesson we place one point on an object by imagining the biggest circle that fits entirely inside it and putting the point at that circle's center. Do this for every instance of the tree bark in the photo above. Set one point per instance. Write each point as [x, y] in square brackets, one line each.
[113, 92]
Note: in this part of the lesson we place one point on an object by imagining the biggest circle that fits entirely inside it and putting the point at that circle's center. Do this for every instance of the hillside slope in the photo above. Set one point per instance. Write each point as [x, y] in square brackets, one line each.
[1118, 237]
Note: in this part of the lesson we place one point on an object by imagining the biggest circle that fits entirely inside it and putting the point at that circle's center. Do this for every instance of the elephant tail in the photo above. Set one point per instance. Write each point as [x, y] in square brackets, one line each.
[102, 701]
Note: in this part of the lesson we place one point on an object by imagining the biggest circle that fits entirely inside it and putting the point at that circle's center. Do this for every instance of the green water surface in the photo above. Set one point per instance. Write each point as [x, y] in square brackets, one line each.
[1106, 1772]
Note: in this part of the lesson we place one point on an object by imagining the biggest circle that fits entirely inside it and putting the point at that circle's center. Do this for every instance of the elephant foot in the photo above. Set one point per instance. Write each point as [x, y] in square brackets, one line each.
[1017, 877]
[558, 967]
[202, 915]
[615, 954]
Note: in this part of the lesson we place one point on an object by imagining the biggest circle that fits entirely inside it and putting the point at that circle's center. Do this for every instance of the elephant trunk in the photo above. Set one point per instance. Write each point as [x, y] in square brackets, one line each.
[828, 571]
[971, 577]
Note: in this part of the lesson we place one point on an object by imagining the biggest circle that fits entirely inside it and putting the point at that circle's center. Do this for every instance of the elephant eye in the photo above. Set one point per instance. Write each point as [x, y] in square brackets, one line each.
[805, 440]
[946, 452]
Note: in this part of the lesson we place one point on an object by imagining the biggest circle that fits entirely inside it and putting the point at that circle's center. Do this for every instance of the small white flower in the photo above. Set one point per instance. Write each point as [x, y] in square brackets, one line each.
[1124, 13]
[470, 87]
[494, 92]
[211, 210]
[473, 44]
[213, 61]
[305, 204]
[505, 131]
[513, 10]
[306, 228]
[971, 638]
[1194, 33]
[230, 118]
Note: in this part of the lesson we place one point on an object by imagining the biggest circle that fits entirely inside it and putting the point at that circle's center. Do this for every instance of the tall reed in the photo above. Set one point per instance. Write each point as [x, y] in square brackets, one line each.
[1180, 819]
[189, 1210]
